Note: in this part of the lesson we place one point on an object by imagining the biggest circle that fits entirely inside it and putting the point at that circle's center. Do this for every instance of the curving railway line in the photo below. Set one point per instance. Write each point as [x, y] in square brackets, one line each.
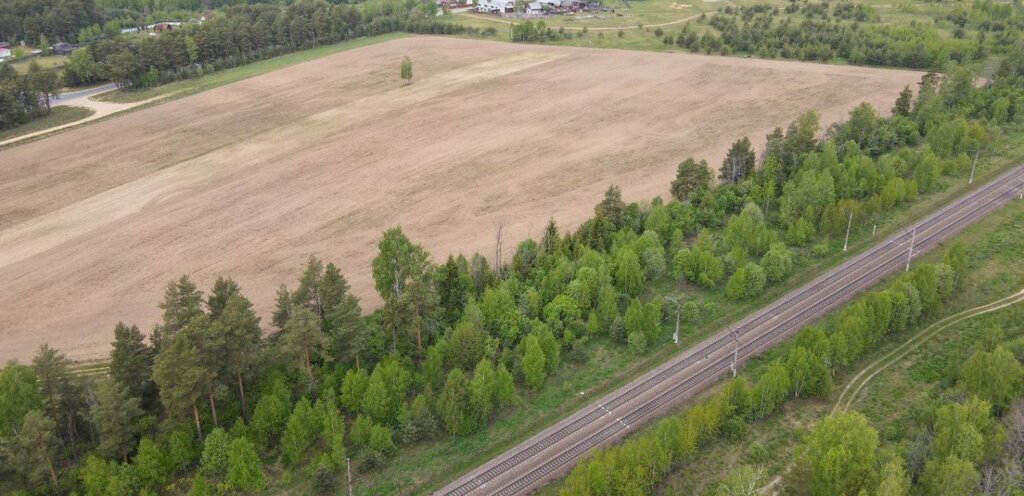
[555, 450]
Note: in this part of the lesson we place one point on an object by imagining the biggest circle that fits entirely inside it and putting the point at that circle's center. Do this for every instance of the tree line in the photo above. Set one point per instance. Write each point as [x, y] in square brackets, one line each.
[804, 370]
[241, 34]
[862, 40]
[59, 20]
[457, 343]
[235, 35]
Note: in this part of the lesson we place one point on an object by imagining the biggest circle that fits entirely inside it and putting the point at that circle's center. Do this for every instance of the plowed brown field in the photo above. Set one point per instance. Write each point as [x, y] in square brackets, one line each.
[250, 179]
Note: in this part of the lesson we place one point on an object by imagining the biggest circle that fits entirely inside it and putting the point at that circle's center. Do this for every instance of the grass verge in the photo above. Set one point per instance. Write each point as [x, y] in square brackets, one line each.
[59, 116]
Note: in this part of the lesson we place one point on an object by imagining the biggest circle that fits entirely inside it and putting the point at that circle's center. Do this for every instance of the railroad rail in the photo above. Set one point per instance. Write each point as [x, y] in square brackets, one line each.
[555, 450]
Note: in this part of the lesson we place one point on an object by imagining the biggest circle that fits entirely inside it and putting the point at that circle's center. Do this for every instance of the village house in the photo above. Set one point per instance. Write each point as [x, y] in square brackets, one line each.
[5, 50]
[496, 6]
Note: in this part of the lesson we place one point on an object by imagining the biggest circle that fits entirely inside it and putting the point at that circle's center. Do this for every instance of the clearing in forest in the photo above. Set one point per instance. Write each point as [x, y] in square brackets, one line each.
[252, 178]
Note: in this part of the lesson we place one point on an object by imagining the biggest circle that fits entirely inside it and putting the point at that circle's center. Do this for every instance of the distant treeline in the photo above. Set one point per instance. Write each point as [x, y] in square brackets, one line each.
[57, 20]
[853, 33]
[241, 34]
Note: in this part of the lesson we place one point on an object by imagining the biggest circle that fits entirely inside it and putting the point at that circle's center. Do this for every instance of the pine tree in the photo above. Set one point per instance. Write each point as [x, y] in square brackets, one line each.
[422, 301]
[223, 289]
[902, 106]
[308, 294]
[182, 301]
[242, 339]
[739, 162]
[62, 392]
[36, 447]
[451, 292]
[131, 363]
[303, 342]
[179, 373]
[334, 289]
[282, 309]
[347, 331]
[611, 208]
[116, 415]
[209, 339]
[550, 242]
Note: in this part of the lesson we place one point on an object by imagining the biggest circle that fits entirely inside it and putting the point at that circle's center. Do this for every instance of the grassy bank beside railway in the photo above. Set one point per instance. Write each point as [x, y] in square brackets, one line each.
[607, 366]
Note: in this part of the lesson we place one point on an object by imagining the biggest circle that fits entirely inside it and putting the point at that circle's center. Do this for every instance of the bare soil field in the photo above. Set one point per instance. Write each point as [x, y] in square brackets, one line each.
[250, 179]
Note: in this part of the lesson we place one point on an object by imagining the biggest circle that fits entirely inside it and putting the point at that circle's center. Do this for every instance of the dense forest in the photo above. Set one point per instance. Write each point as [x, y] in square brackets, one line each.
[56, 20]
[219, 400]
[62, 20]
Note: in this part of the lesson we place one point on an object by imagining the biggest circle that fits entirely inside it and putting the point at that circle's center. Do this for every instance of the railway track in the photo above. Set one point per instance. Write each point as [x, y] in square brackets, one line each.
[554, 451]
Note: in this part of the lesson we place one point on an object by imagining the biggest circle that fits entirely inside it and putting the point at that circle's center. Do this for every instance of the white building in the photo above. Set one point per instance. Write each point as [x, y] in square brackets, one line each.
[496, 6]
[5, 50]
[534, 8]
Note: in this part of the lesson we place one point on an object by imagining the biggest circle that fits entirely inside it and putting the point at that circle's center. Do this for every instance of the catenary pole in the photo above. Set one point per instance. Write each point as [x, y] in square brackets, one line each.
[849, 223]
[910, 251]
